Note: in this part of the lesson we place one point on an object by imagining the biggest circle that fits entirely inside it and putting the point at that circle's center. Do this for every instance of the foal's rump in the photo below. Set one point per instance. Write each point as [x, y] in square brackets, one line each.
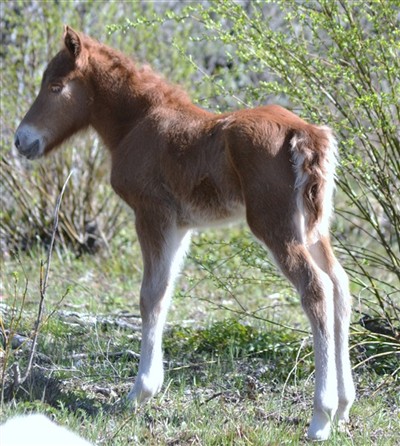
[286, 170]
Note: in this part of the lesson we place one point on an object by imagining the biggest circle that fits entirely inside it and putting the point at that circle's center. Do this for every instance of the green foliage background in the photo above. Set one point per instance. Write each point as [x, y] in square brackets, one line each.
[335, 63]
[238, 351]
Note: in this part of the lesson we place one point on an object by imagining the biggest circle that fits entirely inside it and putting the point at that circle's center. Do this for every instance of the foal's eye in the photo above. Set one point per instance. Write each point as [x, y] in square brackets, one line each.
[56, 88]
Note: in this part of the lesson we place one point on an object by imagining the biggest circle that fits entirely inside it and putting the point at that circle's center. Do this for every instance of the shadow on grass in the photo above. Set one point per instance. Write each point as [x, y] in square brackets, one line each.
[41, 386]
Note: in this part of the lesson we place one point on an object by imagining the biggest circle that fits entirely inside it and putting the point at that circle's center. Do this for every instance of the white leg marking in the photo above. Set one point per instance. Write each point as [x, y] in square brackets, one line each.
[342, 304]
[342, 321]
[326, 393]
[157, 288]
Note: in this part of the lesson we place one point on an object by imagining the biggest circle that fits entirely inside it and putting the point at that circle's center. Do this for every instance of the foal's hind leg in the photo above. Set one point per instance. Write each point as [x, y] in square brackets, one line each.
[163, 248]
[323, 254]
[316, 290]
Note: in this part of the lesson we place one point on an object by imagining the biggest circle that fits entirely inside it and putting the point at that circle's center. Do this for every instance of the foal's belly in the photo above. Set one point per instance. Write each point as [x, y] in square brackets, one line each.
[209, 216]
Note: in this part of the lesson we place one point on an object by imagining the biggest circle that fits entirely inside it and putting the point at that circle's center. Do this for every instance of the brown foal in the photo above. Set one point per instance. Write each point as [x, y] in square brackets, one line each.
[180, 167]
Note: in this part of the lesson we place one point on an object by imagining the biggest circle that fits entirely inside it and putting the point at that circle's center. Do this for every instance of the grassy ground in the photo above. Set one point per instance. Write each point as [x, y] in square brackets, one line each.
[237, 352]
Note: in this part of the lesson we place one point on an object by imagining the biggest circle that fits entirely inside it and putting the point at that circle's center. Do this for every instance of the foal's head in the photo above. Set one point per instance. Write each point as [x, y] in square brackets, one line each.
[62, 106]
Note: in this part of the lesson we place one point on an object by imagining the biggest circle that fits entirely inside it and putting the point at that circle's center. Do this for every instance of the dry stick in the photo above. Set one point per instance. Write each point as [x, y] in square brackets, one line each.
[43, 286]
[15, 320]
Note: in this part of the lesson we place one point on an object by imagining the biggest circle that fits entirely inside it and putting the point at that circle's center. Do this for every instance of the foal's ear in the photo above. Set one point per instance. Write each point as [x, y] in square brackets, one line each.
[72, 42]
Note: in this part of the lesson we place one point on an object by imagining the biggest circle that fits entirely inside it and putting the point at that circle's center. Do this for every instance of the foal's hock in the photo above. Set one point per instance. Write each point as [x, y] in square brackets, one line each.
[180, 167]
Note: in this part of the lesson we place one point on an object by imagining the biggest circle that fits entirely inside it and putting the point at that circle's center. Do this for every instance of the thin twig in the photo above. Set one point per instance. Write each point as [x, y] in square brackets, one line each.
[44, 277]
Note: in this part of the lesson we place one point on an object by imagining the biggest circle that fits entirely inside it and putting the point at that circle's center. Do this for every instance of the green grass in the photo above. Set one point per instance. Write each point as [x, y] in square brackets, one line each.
[234, 375]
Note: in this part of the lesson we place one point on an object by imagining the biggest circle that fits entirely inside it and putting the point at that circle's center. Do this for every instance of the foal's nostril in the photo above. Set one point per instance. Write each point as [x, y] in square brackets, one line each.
[17, 143]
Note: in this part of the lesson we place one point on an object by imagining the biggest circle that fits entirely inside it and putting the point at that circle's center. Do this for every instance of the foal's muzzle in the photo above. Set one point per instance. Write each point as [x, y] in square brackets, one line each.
[28, 143]
[31, 152]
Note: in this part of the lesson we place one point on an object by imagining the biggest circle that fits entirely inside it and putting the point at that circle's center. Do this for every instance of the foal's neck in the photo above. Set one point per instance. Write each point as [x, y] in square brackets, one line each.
[116, 106]
[124, 95]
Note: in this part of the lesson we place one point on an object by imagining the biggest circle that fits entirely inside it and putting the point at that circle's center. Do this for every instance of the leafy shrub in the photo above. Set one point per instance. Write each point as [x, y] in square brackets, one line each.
[334, 63]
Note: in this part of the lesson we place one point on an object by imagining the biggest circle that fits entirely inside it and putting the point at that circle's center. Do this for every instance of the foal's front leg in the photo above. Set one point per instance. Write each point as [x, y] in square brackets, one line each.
[163, 248]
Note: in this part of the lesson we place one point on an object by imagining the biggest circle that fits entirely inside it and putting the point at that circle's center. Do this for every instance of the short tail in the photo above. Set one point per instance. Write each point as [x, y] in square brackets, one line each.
[314, 155]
